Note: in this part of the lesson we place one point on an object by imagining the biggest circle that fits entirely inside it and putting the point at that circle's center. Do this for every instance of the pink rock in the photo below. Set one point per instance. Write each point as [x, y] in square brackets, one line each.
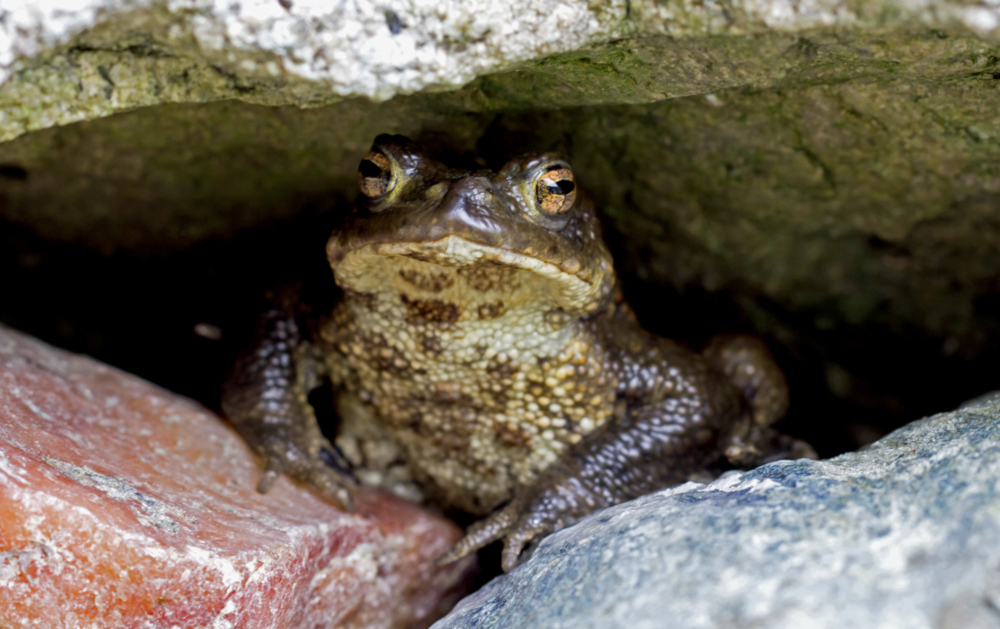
[123, 505]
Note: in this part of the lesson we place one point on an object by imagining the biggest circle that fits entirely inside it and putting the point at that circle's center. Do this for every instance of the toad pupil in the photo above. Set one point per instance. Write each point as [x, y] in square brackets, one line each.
[563, 186]
[494, 360]
[370, 170]
[374, 175]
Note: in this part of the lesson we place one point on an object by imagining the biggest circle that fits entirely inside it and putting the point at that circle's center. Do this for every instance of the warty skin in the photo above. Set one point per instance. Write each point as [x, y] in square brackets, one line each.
[481, 333]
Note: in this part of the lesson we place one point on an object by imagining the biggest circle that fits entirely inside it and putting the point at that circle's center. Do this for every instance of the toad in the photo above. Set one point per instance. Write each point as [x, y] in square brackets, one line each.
[483, 337]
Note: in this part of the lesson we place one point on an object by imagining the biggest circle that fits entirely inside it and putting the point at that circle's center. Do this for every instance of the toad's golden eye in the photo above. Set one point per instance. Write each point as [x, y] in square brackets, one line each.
[375, 175]
[555, 191]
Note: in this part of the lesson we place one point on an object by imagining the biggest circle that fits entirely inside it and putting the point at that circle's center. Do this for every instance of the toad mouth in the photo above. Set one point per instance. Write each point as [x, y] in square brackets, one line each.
[564, 283]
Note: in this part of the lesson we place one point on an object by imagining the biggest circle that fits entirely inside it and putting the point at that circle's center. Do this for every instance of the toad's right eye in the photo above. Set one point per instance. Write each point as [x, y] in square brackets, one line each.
[375, 176]
[555, 191]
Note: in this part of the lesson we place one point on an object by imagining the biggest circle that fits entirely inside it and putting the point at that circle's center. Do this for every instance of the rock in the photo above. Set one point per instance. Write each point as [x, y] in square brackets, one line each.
[124, 505]
[70, 60]
[901, 534]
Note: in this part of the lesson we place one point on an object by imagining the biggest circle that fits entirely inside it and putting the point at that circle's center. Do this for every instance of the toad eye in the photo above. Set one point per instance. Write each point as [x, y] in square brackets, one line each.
[375, 176]
[555, 191]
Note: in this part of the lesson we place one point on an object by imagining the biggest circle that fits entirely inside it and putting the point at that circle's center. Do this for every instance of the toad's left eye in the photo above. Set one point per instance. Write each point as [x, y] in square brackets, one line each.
[375, 175]
[555, 191]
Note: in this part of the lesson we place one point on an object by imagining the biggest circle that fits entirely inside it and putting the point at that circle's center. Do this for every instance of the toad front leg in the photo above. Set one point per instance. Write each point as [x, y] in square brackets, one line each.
[680, 415]
[265, 398]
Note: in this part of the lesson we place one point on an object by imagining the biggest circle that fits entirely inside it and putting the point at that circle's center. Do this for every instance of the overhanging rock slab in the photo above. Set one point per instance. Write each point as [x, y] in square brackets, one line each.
[64, 61]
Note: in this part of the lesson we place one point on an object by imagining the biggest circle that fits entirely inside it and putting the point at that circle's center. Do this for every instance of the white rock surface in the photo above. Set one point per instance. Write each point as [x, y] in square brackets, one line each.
[60, 59]
[360, 48]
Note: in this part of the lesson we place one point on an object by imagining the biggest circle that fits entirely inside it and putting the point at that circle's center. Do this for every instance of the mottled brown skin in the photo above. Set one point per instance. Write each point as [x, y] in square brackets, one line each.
[482, 332]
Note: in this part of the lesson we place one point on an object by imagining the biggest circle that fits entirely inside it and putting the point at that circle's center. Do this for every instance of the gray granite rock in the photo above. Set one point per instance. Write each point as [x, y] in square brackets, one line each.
[900, 535]
[65, 61]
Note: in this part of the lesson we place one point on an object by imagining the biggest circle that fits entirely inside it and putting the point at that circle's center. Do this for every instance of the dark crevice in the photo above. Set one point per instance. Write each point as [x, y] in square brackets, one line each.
[13, 172]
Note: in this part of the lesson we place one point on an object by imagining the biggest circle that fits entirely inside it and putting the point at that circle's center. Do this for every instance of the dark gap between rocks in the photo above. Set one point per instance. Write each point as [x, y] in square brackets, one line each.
[850, 385]
[139, 314]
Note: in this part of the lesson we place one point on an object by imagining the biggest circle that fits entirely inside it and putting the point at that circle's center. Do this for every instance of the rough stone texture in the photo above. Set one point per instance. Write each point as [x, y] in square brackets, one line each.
[71, 60]
[126, 506]
[899, 535]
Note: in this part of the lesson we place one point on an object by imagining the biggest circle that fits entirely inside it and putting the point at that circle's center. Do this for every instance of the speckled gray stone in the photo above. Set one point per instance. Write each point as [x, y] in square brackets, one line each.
[64, 61]
[900, 535]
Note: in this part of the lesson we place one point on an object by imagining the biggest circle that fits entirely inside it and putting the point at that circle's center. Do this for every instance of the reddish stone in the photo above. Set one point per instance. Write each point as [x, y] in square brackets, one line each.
[123, 505]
